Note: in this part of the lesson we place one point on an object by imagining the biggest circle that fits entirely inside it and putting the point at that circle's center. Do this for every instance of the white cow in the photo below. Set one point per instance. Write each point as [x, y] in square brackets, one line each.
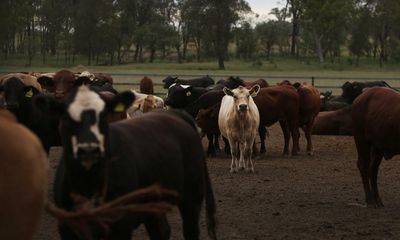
[238, 121]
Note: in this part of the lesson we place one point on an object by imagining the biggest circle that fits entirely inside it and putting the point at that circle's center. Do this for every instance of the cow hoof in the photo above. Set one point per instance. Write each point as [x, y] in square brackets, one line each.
[310, 153]
[233, 170]
[250, 170]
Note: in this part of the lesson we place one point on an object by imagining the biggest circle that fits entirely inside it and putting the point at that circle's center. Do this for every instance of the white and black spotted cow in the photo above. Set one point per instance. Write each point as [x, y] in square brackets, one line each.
[103, 162]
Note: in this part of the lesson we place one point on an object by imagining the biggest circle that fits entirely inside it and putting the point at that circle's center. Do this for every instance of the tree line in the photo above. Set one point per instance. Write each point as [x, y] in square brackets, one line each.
[121, 31]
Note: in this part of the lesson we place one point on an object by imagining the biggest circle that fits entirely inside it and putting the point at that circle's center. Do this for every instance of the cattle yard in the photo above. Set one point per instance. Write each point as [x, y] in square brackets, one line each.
[302, 197]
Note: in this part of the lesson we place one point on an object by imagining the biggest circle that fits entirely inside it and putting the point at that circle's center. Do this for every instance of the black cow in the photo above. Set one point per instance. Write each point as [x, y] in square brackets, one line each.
[196, 82]
[231, 83]
[103, 162]
[350, 91]
[18, 100]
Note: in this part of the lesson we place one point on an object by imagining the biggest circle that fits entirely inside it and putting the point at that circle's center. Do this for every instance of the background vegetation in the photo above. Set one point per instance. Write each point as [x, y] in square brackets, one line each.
[329, 34]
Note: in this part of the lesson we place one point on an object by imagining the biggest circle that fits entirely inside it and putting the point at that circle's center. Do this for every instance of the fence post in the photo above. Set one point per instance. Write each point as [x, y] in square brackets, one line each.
[313, 81]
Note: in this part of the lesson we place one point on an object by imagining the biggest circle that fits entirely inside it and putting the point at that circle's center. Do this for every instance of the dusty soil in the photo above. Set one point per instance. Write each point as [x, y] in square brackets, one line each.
[302, 197]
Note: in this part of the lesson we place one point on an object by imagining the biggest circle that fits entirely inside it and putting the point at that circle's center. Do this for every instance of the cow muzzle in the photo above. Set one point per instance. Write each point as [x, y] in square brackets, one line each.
[243, 108]
[88, 153]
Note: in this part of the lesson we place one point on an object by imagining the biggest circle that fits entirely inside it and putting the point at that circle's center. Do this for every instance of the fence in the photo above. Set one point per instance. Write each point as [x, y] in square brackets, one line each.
[128, 80]
[124, 81]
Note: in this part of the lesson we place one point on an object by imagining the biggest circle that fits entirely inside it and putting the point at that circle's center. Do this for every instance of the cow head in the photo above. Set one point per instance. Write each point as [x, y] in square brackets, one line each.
[84, 126]
[16, 94]
[178, 95]
[63, 83]
[168, 81]
[241, 96]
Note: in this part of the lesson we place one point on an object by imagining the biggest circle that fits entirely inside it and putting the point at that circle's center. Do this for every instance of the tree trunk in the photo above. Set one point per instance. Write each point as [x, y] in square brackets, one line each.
[318, 46]
[152, 54]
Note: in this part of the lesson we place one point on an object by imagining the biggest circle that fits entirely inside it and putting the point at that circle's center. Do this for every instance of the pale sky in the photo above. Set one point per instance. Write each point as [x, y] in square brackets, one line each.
[263, 7]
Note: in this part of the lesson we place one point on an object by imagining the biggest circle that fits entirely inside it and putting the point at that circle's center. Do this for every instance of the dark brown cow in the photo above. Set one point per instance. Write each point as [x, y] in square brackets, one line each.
[261, 82]
[334, 123]
[23, 180]
[376, 116]
[146, 86]
[280, 103]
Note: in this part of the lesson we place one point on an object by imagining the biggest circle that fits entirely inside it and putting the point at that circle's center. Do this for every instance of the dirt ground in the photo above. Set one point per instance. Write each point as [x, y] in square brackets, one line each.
[302, 197]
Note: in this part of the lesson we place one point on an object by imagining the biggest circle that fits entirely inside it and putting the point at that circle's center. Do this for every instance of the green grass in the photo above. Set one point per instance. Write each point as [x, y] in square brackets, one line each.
[278, 66]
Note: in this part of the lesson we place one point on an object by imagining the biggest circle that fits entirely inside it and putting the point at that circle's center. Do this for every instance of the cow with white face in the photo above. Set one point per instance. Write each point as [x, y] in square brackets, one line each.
[238, 121]
[103, 161]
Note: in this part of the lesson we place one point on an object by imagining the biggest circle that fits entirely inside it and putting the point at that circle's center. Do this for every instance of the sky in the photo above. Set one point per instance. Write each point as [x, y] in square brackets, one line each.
[263, 7]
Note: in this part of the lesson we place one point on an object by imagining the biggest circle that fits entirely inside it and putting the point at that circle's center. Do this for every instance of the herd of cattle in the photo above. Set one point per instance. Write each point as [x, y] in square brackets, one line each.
[105, 159]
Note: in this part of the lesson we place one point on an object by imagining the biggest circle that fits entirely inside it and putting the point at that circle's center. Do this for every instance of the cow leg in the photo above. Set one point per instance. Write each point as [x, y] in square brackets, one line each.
[158, 227]
[216, 142]
[247, 156]
[242, 148]
[307, 131]
[262, 131]
[235, 154]
[294, 130]
[190, 218]
[376, 159]
[211, 149]
[363, 162]
[286, 135]
[227, 148]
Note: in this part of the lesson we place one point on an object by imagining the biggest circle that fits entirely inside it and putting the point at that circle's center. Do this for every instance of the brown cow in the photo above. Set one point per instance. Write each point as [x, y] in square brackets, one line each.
[63, 83]
[376, 116]
[309, 107]
[280, 103]
[23, 180]
[261, 82]
[146, 86]
[334, 123]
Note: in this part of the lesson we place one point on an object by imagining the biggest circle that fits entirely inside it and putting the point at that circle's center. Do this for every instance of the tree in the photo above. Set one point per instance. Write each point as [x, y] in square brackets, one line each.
[221, 15]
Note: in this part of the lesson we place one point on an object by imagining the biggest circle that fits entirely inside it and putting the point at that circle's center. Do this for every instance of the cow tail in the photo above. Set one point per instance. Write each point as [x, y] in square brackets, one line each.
[210, 206]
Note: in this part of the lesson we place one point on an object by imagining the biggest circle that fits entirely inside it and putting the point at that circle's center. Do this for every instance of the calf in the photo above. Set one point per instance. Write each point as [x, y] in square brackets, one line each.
[103, 162]
[238, 121]
[334, 123]
[146, 86]
[23, 180]
[376, 117]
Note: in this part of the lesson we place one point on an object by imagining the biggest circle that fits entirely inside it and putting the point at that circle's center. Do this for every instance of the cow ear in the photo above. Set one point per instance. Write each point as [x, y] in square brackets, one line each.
[82, 81]
[227, 91]
[47, 104]
[254, 90]
[120, 102]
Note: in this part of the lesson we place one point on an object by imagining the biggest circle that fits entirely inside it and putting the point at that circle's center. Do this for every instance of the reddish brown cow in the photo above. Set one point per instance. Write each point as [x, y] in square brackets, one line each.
[280, 103]
[376, 116]
[146, 86]
[63, 83]
[23, 180]
[334, 123]
[207, 120]
[261, 82]
[309, 107]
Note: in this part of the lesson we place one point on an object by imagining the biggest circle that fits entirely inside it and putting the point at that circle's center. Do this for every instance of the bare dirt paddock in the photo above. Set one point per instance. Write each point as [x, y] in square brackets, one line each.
[303, 197]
